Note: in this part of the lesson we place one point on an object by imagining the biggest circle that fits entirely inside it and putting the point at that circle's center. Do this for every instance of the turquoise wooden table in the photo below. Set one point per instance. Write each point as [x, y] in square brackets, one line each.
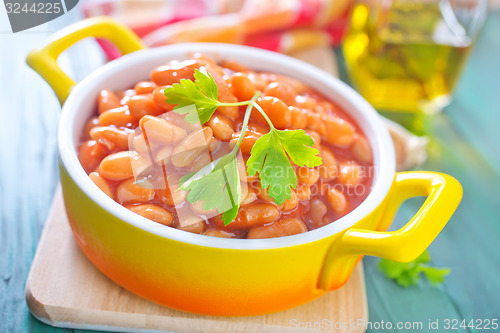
[464, 143]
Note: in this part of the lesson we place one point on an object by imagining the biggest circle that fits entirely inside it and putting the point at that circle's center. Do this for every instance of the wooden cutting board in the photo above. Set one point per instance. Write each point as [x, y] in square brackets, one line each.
[65, 290]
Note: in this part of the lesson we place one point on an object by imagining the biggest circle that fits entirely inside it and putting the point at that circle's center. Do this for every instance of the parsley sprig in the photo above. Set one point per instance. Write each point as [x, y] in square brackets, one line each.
[408, 274]
[217, 184]
[202, 93]
[269, 157]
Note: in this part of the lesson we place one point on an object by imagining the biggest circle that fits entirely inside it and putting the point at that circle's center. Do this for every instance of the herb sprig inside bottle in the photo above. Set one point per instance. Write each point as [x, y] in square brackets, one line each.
[218, 183]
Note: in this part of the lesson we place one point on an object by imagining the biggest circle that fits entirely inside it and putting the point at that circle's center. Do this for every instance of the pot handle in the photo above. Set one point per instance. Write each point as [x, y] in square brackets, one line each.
[44, 59]
[443, 196]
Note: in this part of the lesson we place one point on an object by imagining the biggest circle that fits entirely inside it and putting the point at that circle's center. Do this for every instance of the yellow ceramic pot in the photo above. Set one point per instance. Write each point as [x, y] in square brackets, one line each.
[231, 277]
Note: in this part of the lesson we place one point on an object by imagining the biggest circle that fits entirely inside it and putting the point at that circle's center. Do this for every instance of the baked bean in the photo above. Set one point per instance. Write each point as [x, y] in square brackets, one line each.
[361, 149]
[101, 183]
[291, 203]
[189, 148]
[178, 120]
[320, 110]
[305, 102]
[204, 59]
[296, 85]
[317, 210]
[298, 117]
[118, 166]
[258, 82]
[250, 216]
[248, 140]
[153, 212]
[282, 91]
[224, 94]
[303, 192]
[119, 117]
[91, 154]
[234, 66]
[140, 144]
[107, 100]
[90, 124]
[201, 161]
[214, 146]
[221, 150]
[142, 105]
[126, 96]
[164, 154]
[260, 214]
[242, 87]
[229, 111]
[171, 196]
[193, 224]
[242, 171]
[221, 126]
[197, 207]
[329, 107]
[336, 199]
[262, 193]
[307, 175]
[129, 191]
[328, 170]
[174, 72]
[267, 77]
[313, 120]
[286, 227]
[322, 129]
[219, 233]
[276, 110]
[160, 99]
[128, 93]
[159, 131]
[316, 138]
[111, 137]
[349, 173]
[260, 128]
[338, 131]
[214, 67]
[249, 198]
[144, 87]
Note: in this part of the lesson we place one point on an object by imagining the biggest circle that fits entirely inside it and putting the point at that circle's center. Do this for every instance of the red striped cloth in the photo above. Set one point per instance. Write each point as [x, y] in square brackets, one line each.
[278, 25]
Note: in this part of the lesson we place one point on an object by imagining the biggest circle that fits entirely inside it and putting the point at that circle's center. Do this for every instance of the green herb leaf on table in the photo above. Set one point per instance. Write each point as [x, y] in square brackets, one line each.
[435, 275]
[409, 274]
[202, 93]
[269, 158]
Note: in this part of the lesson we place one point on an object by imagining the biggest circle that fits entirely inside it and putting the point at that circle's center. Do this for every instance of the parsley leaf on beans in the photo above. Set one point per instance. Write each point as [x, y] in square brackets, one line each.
[202, 93]
[218, 184]
[269, 158]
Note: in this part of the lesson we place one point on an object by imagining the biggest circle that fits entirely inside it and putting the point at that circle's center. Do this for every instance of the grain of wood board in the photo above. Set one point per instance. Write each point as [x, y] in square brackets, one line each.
[64, 289]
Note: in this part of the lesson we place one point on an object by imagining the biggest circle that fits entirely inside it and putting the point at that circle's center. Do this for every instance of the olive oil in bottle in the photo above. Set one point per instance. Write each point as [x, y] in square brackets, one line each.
[405, 55]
